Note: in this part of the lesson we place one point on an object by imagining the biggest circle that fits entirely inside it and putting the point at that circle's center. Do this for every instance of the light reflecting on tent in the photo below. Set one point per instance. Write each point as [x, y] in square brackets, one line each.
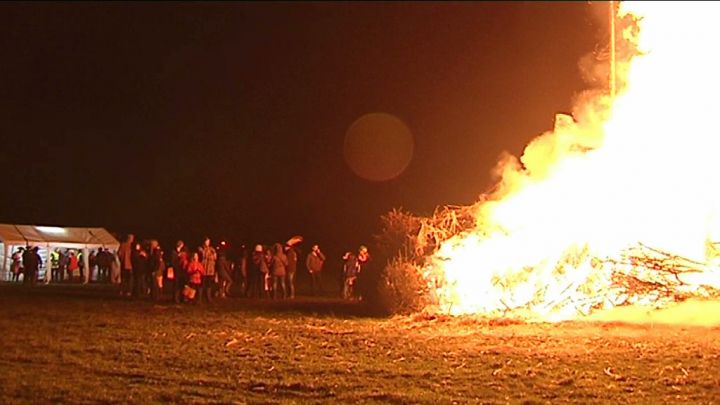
[50, 237]
[55, 230]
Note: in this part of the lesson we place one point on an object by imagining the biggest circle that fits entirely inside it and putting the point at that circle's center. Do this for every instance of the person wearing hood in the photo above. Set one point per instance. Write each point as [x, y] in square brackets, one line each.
[351, 268]
[178, 263]
[157, 268]
[208, 258]
[140, 271]
[258, 273]
[224, 271]
[292, 258]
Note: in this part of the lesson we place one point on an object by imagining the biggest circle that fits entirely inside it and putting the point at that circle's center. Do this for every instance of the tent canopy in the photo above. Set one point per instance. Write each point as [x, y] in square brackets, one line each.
[55, 236]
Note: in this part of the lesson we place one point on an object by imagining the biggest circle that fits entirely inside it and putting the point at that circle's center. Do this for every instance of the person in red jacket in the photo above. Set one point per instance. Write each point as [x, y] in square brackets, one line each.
[73, 266]
[195, 273]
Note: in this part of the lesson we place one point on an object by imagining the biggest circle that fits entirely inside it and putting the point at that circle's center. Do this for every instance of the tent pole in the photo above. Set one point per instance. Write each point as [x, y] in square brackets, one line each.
[86, 263]
[6, 250]
[48, 264]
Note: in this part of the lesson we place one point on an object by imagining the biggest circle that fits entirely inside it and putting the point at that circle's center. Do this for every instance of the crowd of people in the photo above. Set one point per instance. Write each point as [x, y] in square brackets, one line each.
[144, 269]
[206, 273]
[65, 265]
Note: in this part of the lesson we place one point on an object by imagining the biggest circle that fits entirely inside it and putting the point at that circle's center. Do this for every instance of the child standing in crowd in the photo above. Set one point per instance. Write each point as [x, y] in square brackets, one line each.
[195, 274]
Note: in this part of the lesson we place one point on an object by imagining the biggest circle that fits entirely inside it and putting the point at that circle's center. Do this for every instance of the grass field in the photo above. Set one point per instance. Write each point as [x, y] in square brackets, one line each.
[84, 345]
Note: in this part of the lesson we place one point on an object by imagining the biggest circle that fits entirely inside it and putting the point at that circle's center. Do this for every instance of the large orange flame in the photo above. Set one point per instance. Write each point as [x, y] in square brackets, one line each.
[637, 170]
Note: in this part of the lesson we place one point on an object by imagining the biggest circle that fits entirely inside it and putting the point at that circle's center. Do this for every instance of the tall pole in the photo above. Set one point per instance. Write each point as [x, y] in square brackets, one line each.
[611, 15]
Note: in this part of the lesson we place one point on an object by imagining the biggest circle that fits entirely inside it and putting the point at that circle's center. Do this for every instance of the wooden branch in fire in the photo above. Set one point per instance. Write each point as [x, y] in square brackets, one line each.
[640, 275]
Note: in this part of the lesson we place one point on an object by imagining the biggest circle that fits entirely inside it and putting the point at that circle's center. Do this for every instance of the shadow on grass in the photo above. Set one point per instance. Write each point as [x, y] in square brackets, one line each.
[324, 306]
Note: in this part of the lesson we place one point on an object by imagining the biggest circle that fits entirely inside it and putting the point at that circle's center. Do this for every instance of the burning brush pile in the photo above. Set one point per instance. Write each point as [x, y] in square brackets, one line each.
[618, 205]
[570, 287]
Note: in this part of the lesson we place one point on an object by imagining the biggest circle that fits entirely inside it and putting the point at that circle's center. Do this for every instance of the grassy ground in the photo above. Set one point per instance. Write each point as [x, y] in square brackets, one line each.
[67, 344]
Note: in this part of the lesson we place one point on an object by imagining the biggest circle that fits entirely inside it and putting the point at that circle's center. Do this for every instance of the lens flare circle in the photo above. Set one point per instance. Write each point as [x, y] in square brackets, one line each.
[378, 146]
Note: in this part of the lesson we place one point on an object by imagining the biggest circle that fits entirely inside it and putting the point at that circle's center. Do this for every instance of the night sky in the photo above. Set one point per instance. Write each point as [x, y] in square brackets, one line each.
[176, 120]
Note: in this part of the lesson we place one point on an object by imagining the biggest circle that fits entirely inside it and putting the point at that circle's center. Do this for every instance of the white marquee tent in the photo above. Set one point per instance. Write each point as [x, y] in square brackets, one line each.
[49, 237]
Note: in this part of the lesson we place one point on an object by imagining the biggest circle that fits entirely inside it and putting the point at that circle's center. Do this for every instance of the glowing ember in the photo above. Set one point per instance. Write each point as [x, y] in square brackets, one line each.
[615, 207]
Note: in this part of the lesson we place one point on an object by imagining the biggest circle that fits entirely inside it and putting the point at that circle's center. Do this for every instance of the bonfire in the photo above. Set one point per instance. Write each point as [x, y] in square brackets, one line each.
[617, 205]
